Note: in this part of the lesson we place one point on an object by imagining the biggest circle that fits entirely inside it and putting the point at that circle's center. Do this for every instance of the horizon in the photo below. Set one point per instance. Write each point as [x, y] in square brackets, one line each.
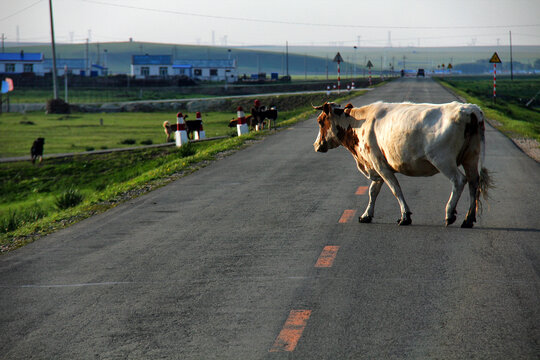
[243, 23]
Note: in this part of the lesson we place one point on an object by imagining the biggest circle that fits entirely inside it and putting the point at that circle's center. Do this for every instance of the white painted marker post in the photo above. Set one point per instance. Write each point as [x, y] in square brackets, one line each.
[199, 135]
[180, 135]
[241, 123]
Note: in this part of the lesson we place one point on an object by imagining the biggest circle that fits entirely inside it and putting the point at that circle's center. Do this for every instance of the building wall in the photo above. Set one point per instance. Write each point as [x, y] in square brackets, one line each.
[37, 68]
[198, 73]
[153, 70]
[214, 74]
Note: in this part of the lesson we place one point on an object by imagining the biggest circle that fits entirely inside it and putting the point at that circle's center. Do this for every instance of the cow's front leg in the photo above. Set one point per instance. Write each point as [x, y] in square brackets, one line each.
[374, 190]
[393, 184]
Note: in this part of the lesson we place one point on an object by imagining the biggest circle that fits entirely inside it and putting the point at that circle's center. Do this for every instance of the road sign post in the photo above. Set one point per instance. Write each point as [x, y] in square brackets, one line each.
[338, 59]
[369, 66]
[495, 59]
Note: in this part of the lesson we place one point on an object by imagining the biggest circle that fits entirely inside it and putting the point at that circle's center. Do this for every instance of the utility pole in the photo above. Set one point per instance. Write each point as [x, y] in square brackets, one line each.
[511, 60]
[287, 56]
[87, 60]
[3, 38]
[55, 85]
[305, 67]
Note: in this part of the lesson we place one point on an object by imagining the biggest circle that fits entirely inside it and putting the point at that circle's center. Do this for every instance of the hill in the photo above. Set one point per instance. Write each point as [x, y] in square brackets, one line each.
[312, 60]
[117, 56]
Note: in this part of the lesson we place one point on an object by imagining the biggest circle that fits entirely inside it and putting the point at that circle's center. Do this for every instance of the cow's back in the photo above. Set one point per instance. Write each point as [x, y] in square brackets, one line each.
[409, 135]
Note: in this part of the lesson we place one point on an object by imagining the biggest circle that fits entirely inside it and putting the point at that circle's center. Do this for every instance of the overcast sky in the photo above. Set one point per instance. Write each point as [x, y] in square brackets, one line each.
[301, 22]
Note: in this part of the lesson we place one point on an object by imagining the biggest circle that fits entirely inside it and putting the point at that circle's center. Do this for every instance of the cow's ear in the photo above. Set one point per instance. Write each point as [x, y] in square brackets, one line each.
[338, 111]
[348, 109]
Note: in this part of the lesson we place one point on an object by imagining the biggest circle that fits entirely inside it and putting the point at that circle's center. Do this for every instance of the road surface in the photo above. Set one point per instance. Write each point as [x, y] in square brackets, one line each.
[222, 264]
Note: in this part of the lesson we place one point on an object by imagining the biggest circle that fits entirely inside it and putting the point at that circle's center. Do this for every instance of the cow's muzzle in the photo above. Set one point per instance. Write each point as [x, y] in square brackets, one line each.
[321, 146]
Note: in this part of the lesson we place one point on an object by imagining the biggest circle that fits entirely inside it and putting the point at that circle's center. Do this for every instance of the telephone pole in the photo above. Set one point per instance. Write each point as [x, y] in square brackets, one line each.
[511, 61]
[55, 85]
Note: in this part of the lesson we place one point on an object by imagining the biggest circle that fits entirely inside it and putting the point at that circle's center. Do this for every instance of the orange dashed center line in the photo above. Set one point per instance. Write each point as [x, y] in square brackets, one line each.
[292, 331]
[347, 215]
[362, 190]
[327, 257]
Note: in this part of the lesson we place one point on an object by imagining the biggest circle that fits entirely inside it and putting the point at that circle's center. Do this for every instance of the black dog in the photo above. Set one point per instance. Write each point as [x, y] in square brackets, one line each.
[37, 150]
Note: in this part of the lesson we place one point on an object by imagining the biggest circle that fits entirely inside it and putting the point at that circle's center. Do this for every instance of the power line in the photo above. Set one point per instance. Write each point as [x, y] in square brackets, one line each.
[305, 24]
[20, 11]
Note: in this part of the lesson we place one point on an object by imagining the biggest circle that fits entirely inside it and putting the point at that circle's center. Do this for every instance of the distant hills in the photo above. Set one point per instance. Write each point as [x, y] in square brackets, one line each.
[310, 60]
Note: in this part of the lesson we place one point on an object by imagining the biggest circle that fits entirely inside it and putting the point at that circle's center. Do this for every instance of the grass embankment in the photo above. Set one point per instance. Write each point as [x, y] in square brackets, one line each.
[511, 115]
[32, 197]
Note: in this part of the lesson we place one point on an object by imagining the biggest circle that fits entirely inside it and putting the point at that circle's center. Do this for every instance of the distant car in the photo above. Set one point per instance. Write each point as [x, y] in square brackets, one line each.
[421, 73]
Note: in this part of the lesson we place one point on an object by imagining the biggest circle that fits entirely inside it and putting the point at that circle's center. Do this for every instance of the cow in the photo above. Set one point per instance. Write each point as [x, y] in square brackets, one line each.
[414, 140]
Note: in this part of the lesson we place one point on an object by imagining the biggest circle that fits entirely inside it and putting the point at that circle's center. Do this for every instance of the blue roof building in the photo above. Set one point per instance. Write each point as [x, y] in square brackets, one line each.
[21, 62]
[151, 59]
[21, 57]
[207, 69]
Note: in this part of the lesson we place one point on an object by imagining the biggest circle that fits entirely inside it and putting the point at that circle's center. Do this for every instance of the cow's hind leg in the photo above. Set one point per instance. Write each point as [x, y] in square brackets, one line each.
[471, 171]
[374, 190]
[449, 169]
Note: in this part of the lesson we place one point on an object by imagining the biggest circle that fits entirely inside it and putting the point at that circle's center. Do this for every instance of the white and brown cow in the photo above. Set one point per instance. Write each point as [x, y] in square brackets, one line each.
[414, 140]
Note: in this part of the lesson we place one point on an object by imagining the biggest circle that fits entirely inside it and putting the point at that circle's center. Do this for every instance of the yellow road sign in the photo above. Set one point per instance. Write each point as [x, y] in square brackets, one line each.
[495, 59]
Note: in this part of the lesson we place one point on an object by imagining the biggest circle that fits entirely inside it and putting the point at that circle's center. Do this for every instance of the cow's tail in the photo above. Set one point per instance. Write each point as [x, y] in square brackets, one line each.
[485, 180]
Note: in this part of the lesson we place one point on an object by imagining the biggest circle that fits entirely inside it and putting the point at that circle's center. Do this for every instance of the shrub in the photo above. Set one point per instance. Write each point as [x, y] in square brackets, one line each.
[10, 221]
[68, 198]
[187, 150]
[57, 106]
[16, 218]
[147, 142]
[128, 142]
[89, 148]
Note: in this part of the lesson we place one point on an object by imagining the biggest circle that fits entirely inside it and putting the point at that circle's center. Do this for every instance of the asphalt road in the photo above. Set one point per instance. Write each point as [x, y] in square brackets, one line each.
[221, 264]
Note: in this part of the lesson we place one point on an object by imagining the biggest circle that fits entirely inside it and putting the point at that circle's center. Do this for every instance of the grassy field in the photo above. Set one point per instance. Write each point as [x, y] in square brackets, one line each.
[510, 111]
[37, 200]
[82, 131]
[88, 96]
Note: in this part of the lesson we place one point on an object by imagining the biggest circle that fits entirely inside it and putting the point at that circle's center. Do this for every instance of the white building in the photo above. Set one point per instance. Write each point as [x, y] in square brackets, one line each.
[19, 63]
[144, 66]
[207, 70]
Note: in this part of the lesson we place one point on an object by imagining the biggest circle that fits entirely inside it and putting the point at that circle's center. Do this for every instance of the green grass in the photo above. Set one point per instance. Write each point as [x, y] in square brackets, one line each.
[37, 200]
[82, 131]
[85, 96]
[515, 119]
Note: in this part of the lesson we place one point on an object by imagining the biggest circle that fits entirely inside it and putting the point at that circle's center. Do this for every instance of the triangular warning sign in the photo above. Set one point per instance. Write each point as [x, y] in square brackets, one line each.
[495, 59]
[369, 64]
[338, 58]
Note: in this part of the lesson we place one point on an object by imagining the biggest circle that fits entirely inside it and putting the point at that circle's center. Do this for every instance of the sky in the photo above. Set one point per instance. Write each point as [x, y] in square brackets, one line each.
[396, 23]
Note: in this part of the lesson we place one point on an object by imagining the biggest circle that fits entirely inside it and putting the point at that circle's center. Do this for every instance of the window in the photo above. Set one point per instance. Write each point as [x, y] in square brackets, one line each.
[28, 68]
[10, 68]
[213, 72]
[145, 71]
[197, 72]
[163, 71]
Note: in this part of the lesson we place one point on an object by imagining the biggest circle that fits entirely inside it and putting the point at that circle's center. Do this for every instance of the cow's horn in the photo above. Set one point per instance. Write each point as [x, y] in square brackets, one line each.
[317, 107]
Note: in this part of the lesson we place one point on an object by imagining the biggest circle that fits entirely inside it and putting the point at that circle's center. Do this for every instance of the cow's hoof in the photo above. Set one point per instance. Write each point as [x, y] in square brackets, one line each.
[364, 219]
[467, 224]
[405, 221]
[451, 220]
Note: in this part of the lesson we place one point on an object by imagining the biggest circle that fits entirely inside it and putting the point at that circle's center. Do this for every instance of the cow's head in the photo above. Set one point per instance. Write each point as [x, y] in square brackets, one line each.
[327, 138]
